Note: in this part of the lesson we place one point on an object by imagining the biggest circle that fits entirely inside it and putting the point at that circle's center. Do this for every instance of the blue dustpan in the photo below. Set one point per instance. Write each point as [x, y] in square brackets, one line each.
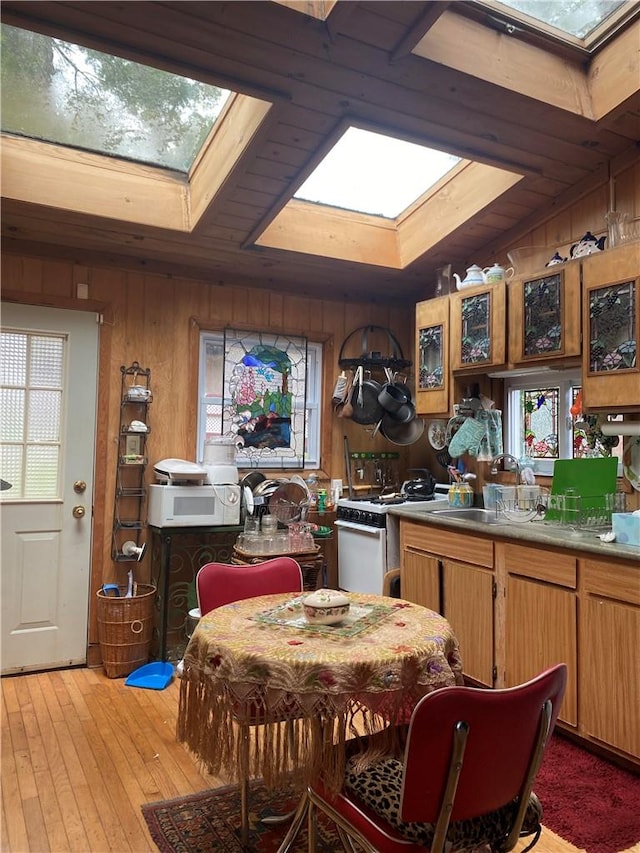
[153, 676]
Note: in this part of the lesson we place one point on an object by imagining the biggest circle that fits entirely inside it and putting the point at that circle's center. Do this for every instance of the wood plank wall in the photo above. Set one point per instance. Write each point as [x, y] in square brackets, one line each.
[154, 320]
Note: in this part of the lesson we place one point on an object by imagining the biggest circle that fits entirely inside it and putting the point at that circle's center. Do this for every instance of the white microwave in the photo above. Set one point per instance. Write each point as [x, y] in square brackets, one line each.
[193, 506]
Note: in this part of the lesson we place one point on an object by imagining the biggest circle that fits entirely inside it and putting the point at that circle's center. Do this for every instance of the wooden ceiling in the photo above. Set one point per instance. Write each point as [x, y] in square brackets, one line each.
[433, 72]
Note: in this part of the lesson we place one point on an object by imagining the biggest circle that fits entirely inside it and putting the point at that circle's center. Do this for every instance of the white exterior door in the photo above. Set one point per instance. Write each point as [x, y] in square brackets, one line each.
[48, 370]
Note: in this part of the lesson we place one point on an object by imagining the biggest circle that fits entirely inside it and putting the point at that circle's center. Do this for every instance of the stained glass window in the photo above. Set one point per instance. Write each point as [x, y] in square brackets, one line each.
[547, 423]
[266, 390]
[541, 422]
[430, 354]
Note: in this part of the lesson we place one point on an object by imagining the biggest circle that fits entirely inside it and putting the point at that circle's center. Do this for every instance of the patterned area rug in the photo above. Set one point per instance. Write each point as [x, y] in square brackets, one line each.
[209, 822]
[588, 801]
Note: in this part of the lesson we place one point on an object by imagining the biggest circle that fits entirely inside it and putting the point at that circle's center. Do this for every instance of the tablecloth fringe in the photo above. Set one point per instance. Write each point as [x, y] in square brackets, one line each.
[289, 745]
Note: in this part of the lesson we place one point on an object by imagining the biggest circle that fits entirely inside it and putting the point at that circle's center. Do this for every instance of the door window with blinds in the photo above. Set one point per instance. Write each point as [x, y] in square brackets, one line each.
[32, 369]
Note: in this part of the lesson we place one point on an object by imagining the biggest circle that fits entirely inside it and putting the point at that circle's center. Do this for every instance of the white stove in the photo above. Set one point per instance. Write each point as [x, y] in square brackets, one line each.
[373, 510]
[368, 539]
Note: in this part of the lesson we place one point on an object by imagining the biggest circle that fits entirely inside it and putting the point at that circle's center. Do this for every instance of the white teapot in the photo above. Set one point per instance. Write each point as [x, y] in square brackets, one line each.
[497, 274]
[474, 276]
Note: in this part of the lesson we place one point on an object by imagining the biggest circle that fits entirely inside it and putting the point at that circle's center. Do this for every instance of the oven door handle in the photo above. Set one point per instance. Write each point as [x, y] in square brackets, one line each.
[358, 528]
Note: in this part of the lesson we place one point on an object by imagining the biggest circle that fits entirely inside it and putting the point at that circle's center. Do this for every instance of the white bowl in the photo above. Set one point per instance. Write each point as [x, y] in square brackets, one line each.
[325, 607]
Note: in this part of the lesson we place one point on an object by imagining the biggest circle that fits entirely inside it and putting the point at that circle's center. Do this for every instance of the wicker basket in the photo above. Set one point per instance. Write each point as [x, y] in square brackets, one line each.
[125, 628]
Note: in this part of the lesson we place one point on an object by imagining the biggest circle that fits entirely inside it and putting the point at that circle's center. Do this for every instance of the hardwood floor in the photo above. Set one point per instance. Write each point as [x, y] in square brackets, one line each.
[81, 753]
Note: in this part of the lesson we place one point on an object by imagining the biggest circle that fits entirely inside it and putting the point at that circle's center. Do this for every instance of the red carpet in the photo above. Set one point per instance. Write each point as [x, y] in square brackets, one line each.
[591, 803]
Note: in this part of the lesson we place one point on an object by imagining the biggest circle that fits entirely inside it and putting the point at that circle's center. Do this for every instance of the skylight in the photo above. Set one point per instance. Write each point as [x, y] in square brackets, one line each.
[371, 173]
[59, 92]
[576, 18]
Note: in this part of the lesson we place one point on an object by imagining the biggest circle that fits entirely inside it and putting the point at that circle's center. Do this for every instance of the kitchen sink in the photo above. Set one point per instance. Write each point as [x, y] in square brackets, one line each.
[471, 513]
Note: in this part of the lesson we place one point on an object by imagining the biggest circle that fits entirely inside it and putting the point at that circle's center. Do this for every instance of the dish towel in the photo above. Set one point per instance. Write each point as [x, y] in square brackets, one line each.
[468, 438]
[491, 443]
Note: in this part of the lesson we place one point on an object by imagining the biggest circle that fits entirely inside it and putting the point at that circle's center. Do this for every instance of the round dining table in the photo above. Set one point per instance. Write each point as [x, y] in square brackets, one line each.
[307, 690]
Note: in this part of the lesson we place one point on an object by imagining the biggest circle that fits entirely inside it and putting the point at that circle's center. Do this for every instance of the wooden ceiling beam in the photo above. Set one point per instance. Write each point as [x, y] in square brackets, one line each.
[419, 30]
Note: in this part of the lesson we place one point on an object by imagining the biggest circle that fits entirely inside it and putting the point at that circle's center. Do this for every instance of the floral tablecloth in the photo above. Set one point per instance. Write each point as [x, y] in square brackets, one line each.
[312, 688]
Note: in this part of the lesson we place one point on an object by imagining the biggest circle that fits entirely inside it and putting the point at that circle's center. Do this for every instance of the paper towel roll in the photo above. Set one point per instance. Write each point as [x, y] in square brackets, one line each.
[620, 428]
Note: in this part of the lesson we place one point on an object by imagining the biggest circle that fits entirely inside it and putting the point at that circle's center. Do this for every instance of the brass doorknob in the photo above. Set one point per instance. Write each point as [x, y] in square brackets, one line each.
[79, 486]
[78, 512]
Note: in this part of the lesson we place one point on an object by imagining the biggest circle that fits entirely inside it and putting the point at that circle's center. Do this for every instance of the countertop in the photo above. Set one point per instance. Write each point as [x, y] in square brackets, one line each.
[532, 532]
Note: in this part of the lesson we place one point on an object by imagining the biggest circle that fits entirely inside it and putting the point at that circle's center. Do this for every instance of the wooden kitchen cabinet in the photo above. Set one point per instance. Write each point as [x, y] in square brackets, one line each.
[420, 579]
[611, 322]
[540, 617]
[478, 327]
[609, 684]
[519, 608]
[468, 594]
[545, 315]
[432, 357]
[454, 576]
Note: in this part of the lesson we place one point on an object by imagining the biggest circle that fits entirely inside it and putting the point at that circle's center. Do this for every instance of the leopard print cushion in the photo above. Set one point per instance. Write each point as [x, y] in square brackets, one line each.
[378, 787]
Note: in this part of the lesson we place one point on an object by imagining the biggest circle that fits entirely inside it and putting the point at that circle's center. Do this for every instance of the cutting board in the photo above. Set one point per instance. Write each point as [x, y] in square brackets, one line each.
[589, 478]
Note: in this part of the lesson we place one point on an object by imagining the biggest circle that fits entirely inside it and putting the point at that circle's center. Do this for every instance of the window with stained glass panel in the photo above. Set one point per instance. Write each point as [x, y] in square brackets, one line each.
[541, 422]
[264, 389]
[546, 422]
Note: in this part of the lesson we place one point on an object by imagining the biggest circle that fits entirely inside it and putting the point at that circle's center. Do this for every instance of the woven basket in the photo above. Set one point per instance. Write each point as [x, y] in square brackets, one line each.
[125, 628]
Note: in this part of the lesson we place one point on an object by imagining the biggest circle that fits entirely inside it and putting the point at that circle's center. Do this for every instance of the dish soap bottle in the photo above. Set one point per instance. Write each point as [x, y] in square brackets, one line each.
[460, 495]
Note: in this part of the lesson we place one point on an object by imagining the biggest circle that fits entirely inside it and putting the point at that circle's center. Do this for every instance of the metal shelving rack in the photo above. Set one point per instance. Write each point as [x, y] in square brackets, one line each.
[130, 491]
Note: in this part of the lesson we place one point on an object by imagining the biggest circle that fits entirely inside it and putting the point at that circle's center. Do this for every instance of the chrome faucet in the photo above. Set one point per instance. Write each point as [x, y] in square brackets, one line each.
[495, 459]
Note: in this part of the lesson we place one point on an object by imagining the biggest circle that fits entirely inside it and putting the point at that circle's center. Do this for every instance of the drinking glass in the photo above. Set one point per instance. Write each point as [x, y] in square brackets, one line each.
[571, 508]
[269, 524]
[252, 524]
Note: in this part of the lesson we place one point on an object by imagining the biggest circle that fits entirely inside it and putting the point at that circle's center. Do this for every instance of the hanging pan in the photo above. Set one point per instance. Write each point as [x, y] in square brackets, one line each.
[401, 433]
[366, 408]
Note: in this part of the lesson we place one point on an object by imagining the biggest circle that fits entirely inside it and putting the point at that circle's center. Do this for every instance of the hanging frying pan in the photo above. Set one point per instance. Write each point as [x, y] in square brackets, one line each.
[399, 433]
[364, 399]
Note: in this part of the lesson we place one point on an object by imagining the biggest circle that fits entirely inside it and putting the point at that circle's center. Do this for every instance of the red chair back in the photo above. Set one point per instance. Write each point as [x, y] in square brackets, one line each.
[503, 728]
[220, 583]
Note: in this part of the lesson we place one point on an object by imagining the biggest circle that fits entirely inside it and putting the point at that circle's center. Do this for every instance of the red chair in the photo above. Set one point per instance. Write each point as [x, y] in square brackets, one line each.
[469, 764]
[220, 583]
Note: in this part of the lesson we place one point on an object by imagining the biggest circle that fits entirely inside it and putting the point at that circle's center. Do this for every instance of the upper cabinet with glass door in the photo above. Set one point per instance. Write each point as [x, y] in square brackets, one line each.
[544, 315]
[432, 357]
[610, 372]
[478, 328]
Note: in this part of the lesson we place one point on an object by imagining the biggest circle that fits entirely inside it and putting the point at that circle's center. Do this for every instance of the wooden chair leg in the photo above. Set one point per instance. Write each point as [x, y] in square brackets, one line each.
[244, 786]
[244, 811]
